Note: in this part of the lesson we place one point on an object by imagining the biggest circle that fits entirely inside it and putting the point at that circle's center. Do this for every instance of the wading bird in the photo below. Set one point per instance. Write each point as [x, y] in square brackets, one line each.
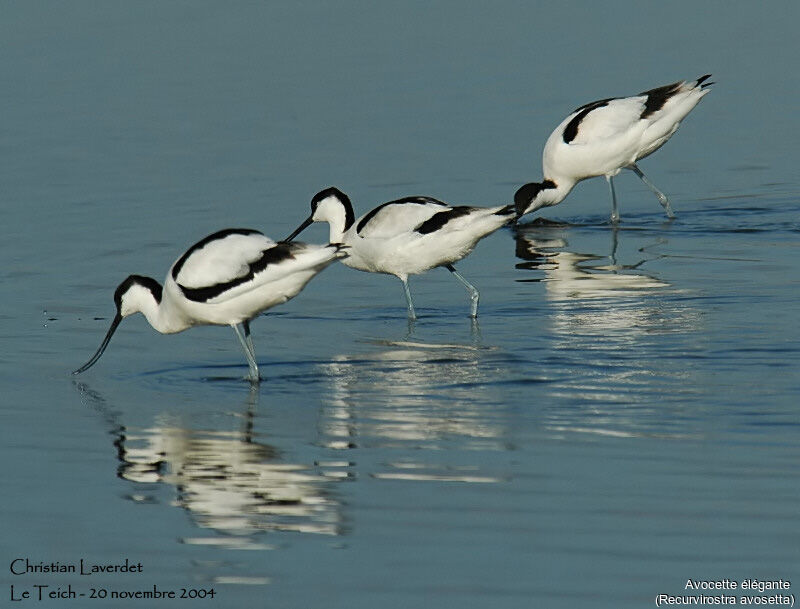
[606, 136]
[408, 236]
[226, 279]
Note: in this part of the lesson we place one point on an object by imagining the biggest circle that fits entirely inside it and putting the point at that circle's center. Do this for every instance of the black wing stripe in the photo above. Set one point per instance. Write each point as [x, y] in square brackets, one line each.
[202, 243]
[656, 98]
[571, 130]
[595, 104]
[439, 219]
[273, 255]
[412, 200]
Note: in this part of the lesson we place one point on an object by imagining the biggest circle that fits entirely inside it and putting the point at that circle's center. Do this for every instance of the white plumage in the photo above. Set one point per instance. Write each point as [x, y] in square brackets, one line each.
[225, 279]
[603, 137]
[408, 236]
[221, 259]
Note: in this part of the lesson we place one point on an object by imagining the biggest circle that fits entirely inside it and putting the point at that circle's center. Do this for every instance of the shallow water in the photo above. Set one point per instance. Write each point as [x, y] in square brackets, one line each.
[622, 417]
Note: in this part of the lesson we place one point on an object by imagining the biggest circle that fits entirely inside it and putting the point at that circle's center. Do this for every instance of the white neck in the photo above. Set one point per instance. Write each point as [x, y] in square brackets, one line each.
[336, 230]
[139, 299]
[154, 313]
[553, 196]
[332, 211]
[550, 193]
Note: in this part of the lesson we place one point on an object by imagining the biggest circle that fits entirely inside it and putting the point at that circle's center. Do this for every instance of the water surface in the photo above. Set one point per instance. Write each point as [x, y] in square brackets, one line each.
[622, 417]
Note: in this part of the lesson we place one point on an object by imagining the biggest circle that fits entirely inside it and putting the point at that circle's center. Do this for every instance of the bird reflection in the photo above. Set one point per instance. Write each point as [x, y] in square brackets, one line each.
[409, 394]
[608, 303]
[225, 479]
[573, 275]
[604, 320]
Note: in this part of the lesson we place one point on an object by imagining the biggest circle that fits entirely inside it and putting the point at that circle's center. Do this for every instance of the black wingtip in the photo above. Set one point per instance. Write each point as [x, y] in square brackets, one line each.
[700, 81]
[508, 210]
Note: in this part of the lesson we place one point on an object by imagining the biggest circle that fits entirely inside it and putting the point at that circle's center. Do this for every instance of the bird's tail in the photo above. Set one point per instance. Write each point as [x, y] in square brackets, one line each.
[700, 81]
[508, 210]
[341, 249]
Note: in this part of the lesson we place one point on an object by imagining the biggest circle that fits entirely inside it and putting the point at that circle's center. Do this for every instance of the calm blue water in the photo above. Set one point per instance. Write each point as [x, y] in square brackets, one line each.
[623, 417]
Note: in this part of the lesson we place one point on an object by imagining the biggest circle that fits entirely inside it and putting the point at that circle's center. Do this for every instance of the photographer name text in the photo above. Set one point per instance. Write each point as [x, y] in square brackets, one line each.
[24, 566]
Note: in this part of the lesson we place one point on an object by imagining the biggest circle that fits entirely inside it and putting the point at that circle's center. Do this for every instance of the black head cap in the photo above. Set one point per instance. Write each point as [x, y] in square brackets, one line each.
[332, 191]
[527, 193]
[146, 282]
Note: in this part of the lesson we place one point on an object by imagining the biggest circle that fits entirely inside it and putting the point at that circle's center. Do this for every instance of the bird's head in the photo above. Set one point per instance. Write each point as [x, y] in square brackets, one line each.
[535, 195]
[130, 297]
[330, 205]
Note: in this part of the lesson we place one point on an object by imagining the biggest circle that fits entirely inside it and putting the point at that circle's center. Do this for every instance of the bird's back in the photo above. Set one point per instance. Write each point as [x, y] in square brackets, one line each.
[603, 136]
[664, 121]
[237, 273]
[398, 217]
[412, 238]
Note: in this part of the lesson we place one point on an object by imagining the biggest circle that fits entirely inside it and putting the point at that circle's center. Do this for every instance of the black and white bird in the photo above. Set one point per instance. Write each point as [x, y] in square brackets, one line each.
[408, 236]
[226, 279]
[606, 136]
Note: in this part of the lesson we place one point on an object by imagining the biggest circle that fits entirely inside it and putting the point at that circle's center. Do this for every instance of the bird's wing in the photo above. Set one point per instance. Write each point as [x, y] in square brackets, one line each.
[398, 217]
[603, 120]
[285, 259]
[240, 263]
[220, 258]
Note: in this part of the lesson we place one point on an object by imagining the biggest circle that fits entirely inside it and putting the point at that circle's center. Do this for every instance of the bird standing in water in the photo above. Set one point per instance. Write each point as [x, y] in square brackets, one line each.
[603, 137]
[226, 279]
[408, 236]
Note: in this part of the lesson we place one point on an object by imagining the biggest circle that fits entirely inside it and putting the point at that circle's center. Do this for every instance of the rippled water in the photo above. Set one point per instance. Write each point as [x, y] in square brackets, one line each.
[622, 417]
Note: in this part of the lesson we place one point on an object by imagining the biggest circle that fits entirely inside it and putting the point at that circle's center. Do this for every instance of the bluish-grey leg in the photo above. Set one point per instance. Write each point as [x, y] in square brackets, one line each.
[412, 323]
[251, 359]
[249, 339]
[475, 331]
[473, 292]
[411, 313]
[614, 244]
[662, 198]
[614, 211]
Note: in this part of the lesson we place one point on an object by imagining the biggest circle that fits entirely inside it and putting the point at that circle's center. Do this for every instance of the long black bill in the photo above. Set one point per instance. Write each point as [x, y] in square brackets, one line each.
[308, 222]
[103, 345]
